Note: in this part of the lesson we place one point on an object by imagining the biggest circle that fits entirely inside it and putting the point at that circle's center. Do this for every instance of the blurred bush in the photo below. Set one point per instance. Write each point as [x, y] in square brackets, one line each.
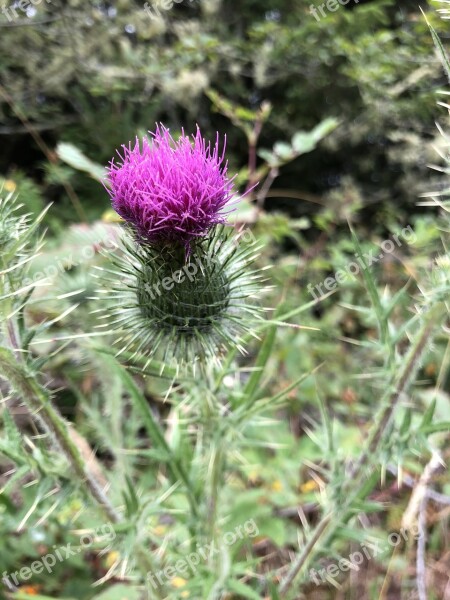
[95, 74]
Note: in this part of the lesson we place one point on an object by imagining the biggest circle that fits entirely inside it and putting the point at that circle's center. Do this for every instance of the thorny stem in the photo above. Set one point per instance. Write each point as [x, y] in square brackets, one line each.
[407, 373]
[217, 461]
[39, 403]
[303, 557]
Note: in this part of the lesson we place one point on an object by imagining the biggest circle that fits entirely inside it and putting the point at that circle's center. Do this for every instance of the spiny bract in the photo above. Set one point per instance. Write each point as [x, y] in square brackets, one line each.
[184, 309]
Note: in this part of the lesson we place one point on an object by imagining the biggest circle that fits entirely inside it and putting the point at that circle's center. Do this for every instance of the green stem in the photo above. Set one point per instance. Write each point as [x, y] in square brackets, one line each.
[216, 481]
[39, 403]
[304, 555]
[174, 464]
[407, 374]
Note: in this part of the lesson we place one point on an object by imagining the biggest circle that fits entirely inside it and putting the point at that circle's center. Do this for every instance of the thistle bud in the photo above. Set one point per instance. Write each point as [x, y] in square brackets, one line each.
[182, 283]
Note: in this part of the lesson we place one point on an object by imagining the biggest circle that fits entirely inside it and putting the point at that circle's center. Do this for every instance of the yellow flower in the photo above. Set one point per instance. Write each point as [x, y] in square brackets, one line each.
[253, 476]
[30, 590]
[111, 558]
[309, 486]
[10, 185]
[179, 582]
[110, 216]
[160, 530]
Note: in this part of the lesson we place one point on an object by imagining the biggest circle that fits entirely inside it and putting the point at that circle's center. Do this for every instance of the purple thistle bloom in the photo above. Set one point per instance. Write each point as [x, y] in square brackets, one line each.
[171, 191]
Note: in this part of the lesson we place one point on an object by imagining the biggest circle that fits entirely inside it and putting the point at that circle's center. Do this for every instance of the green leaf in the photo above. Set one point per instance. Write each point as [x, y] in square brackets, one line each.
[373, 292]
[429, 414]
[303, 142]
[275, 529]
[274, 595]
[406, 424]
[283, 150]
[324, 128]
[396, 298]
[242, 589]
[11, 431]
[306, 141]
[174, 464]
[71, 155]
[267, 155]
[436, 427]
[261, 361]
[245, 114]
[440, 48]
[328, 425]
[119, 592]
[28, 235]
[130, 497]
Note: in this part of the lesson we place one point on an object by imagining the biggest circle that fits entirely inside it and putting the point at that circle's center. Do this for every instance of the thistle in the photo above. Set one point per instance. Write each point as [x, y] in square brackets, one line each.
[183, 280]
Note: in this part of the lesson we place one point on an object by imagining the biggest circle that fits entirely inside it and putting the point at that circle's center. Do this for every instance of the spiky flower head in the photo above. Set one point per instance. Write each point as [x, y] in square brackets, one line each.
[183, 284]
[170, 191]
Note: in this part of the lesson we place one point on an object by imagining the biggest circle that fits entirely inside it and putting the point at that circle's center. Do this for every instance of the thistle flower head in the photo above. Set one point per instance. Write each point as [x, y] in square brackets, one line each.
[170, 191]
[183, 284]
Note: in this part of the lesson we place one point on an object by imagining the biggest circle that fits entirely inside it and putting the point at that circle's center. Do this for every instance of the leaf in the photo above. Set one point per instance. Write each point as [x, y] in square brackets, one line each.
[260, 363]
[28, 235]
[439, 47]
[275, 529]
[130, 497]
[324, 128]
[429, 414]
[11, 431]
[156, 434]
[283, 150]
[238, 115]
[436, 427]
[242, 589]
[267, 155]
[245, 114]
[119, 592]
[303, 142]
[71, 155]
[406, 424]
[274, 595]
[373, 292]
